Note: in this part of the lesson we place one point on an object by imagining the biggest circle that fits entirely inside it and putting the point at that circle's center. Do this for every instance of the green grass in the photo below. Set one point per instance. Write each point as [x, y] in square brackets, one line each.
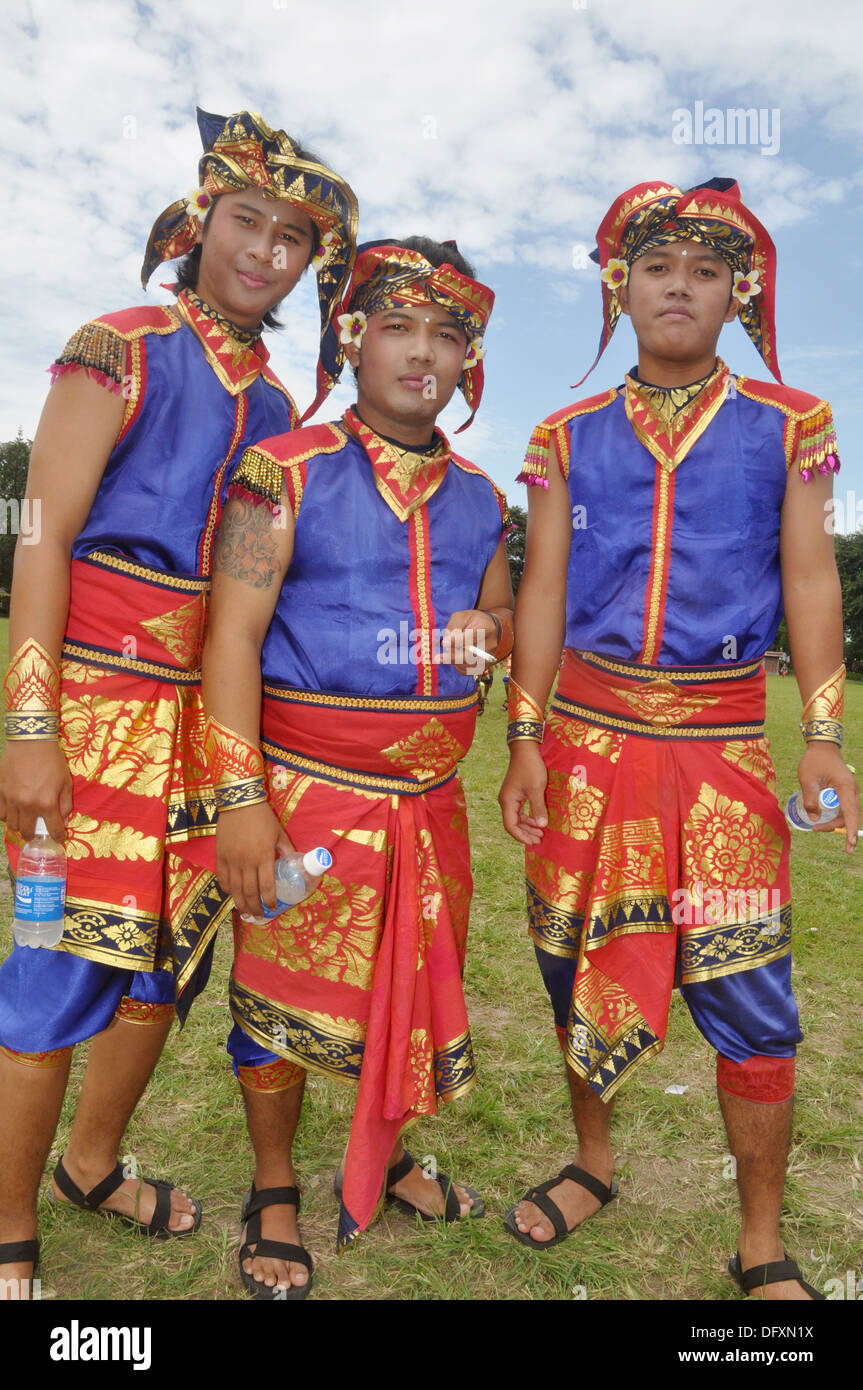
[674, 1226]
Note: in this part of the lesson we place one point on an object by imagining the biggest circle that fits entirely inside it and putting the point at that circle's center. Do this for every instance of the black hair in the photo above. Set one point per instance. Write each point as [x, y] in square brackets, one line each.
[437, 253]
[188, 269]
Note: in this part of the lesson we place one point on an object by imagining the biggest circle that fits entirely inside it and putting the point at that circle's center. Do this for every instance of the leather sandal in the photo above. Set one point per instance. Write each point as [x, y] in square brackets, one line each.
[92, 1201]
[539, 1197]
[774, 1273]
[452, 1207]
[253, 1204]
[15, 1252]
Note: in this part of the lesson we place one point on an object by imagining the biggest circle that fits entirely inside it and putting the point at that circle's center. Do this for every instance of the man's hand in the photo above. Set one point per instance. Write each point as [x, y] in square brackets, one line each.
[248, 839]
[822, 766]
[470, 627]
[35, 781]
[524, 785]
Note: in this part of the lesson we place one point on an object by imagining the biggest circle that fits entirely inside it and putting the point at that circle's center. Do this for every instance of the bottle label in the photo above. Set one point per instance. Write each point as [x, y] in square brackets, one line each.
[40, 900]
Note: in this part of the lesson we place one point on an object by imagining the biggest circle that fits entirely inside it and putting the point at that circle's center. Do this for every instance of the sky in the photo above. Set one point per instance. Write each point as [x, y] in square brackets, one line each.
[510, 127]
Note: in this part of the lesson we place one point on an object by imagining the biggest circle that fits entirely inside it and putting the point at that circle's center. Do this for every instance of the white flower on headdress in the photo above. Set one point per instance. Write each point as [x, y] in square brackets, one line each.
[616, 273]
[475, 353]
[353, 327]
[324, 251]
[198, 203]
[745, 286]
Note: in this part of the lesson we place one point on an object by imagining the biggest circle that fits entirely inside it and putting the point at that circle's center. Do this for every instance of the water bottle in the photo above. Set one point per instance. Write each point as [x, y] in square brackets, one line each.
[799, 818]
[296, 877]
[40, 890]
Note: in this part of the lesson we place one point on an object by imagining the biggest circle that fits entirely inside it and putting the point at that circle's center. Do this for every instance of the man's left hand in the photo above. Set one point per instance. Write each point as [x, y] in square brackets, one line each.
[822, 765]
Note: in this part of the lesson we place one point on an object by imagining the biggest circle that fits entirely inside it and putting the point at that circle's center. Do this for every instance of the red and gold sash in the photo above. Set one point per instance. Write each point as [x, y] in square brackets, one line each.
[362, 980]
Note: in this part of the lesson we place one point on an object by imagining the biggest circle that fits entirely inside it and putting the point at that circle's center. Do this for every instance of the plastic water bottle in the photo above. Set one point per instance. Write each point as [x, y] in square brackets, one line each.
[296, 877]
[40, 890]
[799, 818]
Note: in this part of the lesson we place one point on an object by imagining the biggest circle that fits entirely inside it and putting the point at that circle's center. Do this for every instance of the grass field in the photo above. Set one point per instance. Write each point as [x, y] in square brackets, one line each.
[669, 1235]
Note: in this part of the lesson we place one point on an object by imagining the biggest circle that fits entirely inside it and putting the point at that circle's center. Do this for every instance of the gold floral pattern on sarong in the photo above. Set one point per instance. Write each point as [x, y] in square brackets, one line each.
[708, 951]
[422, 1070]
[660, 701]
[333, 934]
[427, 752]
[77, 672]
[629, 891]
[565, 889]
[127, 936]
[108, 839]
[726, 845]
[574, 732]
[751, 755]
[181, 632]
[126, 744]
[333, 1045]
[574, 807]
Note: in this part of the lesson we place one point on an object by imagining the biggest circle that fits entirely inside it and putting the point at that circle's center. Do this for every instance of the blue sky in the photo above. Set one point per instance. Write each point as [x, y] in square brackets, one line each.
[510, 128]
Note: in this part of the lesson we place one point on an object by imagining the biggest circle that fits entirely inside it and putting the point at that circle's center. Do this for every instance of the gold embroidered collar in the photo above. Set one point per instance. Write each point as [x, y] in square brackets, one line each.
[236, 355]
[405, 478]
[670, 419]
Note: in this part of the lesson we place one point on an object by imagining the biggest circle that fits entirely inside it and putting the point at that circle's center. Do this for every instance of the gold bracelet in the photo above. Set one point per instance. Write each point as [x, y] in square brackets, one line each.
[32, 694]
[236, 767]
[25, 726]
[821, 719]
[526, 718]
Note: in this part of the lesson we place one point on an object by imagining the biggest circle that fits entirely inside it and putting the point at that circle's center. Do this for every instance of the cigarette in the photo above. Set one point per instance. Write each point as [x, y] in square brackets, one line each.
[478, 651]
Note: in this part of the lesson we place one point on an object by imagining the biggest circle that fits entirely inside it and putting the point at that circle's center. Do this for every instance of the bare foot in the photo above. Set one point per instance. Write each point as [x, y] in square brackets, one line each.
[576, 1204]
[761, 1252]
[133, 1197]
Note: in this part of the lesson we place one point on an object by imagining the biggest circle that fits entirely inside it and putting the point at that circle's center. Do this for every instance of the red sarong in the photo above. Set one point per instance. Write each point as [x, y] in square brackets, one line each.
[131, 730]
[665, 859]
[362, 980]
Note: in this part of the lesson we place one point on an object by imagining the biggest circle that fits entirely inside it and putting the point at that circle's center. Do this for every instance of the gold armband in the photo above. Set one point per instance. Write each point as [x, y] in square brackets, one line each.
[526, 718]
[32, 694]
[822, 714]
[236, 767]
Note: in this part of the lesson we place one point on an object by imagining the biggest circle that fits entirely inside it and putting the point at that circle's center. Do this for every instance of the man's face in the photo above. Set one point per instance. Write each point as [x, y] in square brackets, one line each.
[408, 365]
[254, 250]
[678, 298]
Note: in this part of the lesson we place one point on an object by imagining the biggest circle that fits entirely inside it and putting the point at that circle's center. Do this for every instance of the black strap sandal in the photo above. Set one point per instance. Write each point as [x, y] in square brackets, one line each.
[774, 1273]
[19, 1252]
[452, 1208]
[253, 1204]
[92, 1201]
[538, 1195]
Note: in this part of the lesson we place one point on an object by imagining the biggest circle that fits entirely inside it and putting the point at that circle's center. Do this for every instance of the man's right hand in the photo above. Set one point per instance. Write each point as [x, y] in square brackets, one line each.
[35, 781]
[248, 839]
[524, 785]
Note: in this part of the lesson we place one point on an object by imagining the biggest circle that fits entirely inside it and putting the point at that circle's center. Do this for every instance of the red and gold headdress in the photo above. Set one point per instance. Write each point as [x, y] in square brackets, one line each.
[654, 214]
[386, 275]
[241, 151]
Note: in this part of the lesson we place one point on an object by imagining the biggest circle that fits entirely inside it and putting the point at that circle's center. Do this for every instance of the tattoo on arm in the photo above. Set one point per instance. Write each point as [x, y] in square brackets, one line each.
[246, 547]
